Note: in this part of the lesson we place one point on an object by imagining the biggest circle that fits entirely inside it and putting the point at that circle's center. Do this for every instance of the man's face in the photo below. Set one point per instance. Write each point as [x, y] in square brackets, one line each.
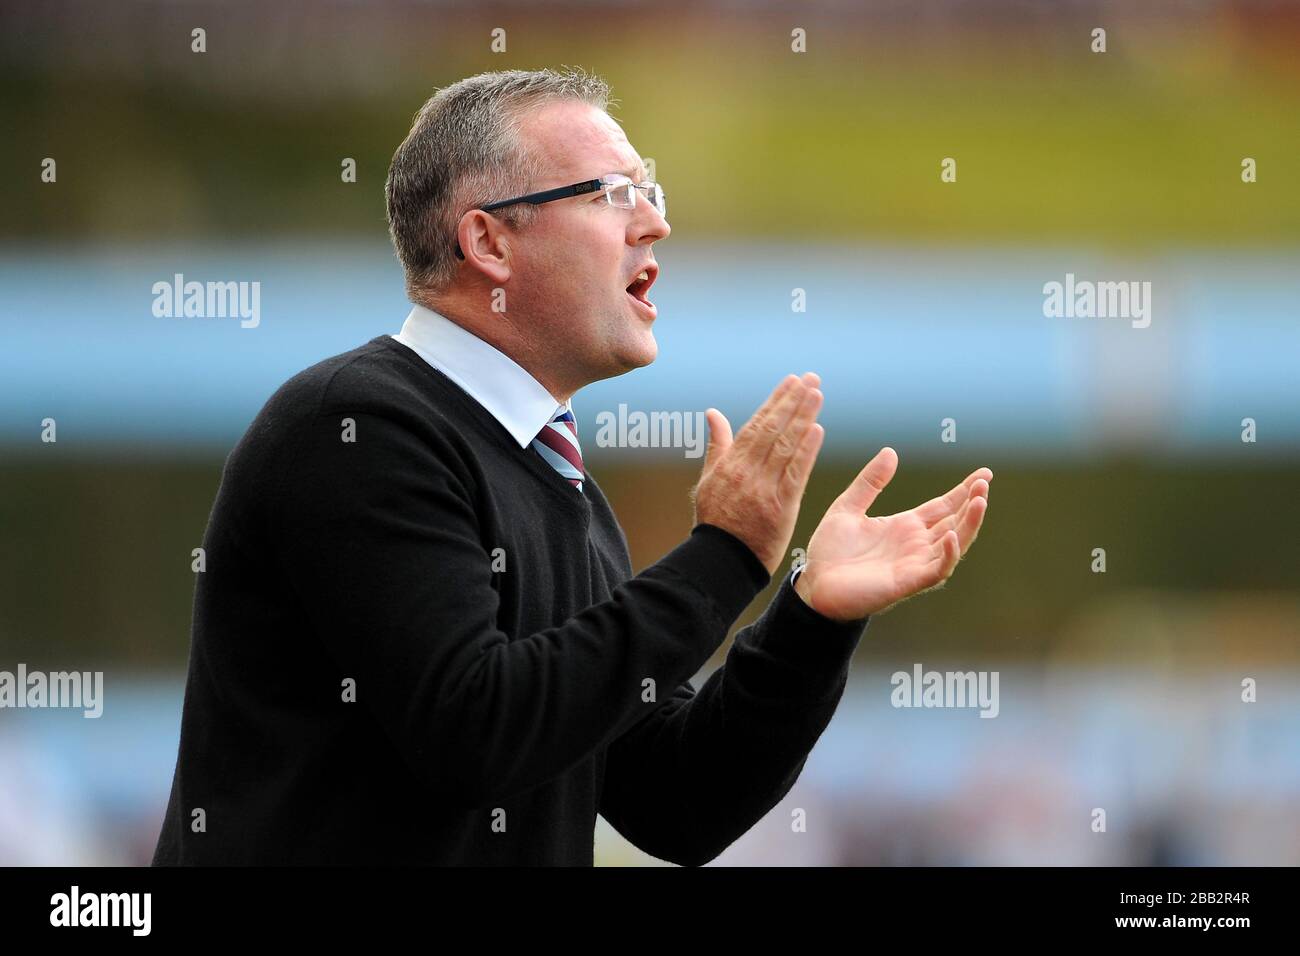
[572, 266]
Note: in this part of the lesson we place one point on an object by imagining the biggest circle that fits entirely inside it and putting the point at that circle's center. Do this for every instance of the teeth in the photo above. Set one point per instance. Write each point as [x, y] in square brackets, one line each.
[644, 276]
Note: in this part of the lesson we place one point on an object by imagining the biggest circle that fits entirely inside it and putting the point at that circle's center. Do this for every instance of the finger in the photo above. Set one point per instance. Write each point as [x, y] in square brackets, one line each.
[783, 415]
[968, 528]
[719, 437]
[935, 570]
[951, 554]
[795, 477]
[946, 558]
[792, 434]
[870, 482]
[980, 489]
[936, 509]
[758, 434]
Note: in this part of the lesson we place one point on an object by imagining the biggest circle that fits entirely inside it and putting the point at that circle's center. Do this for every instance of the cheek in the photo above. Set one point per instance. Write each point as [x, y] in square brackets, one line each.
[594, 280]
[603, 261]
[584, 260]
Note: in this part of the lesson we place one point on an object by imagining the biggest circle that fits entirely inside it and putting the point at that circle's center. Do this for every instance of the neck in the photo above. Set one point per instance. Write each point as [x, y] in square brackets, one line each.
[505, 334]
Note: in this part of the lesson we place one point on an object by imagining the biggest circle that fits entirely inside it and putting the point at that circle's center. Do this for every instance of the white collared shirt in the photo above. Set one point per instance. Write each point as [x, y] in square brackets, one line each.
[493, 379]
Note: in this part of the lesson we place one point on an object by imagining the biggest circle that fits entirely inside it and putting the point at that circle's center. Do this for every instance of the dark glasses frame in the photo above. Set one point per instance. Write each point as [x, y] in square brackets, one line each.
[550, 195]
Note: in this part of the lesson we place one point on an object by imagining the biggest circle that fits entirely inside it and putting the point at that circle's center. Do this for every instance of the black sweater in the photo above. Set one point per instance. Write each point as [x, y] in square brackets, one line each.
[372, 681]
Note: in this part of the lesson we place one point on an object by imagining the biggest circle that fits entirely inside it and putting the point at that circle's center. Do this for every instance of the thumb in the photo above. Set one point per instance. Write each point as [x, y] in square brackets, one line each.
[871, 481]
[719, 437]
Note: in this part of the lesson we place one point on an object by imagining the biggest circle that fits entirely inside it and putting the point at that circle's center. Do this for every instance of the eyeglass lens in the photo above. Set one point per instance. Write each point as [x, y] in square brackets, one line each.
[623, 195]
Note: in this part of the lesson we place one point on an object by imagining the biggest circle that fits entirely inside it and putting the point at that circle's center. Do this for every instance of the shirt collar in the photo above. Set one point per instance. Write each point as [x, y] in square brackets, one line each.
[504, 388]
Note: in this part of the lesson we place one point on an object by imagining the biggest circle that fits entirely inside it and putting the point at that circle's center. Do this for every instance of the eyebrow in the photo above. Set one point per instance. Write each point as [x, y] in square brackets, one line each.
[637, 174]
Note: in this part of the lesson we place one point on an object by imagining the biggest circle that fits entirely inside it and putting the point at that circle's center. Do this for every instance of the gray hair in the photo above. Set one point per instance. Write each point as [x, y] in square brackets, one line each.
[464, 149]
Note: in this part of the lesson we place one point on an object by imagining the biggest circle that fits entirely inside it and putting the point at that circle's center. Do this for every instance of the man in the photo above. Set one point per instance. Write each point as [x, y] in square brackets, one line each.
[419, 639]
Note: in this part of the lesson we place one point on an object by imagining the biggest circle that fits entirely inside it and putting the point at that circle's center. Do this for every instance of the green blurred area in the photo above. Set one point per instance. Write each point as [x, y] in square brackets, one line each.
[1140, 145]
[1199, 563]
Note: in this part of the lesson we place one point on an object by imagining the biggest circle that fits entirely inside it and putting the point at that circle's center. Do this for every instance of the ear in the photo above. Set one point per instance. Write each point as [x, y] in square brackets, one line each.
[485, 245]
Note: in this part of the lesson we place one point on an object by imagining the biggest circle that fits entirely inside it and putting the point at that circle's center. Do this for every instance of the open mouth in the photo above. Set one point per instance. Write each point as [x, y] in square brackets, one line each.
[640, 285]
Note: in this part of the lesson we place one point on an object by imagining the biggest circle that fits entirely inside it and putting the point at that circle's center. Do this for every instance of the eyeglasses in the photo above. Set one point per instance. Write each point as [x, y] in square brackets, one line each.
[619, 191]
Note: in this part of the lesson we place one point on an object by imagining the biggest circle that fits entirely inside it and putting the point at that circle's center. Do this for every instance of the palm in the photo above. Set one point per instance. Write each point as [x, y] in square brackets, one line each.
[860, 565]
[870, 561]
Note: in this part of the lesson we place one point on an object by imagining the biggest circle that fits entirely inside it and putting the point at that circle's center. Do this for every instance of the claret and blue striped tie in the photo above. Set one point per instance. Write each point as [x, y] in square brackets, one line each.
[557, 442]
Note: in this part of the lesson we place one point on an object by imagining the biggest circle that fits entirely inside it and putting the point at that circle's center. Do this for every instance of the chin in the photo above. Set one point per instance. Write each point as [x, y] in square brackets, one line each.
[647, 352]
[633, 357]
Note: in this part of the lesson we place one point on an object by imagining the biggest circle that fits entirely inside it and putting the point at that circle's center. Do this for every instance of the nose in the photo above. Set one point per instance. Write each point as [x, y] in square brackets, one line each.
[646, 224]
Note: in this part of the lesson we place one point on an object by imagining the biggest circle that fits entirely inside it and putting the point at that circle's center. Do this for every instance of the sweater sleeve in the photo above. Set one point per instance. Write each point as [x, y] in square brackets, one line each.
[380, 543]
[703, 768]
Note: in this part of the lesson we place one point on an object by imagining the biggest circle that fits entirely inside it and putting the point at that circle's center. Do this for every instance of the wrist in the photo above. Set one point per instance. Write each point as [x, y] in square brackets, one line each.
[817, 647]
[802, 584]
[799, 580]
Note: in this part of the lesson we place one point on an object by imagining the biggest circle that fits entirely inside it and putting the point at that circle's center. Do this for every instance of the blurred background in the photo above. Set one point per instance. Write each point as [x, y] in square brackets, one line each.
[816, 171]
